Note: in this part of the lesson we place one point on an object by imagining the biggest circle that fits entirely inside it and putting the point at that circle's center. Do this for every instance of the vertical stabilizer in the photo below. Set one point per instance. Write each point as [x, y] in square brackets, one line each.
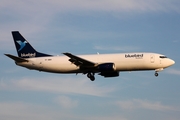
[24, 49]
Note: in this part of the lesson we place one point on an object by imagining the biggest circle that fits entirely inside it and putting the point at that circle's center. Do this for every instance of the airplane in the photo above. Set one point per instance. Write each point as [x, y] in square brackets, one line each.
[107, 65]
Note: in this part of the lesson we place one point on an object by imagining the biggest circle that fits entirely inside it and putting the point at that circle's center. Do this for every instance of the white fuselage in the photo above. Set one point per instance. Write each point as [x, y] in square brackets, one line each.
[123, 62]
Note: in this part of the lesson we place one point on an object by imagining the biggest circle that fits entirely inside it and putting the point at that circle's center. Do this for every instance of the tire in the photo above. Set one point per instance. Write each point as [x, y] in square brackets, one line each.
[156, 74]
[92, 78]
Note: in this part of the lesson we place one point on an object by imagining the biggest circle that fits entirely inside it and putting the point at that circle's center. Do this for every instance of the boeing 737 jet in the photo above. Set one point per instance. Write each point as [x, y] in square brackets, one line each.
[107, 65]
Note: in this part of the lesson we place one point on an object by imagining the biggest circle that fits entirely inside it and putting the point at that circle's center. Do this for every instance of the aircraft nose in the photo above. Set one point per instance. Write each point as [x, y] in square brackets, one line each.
[171, 62]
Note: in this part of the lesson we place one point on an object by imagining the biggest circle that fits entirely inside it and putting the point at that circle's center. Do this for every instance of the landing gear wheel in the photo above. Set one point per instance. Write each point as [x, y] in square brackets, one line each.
[156, 74]
[91, 76]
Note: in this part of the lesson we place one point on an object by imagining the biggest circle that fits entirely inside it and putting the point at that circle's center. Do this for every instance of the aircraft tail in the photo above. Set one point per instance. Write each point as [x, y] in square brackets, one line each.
[24, 49]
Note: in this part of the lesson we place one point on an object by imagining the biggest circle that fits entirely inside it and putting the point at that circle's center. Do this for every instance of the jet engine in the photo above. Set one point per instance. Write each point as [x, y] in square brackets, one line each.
[106, 67]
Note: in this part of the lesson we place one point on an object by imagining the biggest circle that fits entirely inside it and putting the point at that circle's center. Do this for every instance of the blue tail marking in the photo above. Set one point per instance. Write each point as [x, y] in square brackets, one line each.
[22, 44]
[24, 49]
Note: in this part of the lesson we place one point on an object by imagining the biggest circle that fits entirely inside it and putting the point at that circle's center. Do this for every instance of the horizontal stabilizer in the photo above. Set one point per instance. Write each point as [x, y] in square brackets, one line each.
[17, 59]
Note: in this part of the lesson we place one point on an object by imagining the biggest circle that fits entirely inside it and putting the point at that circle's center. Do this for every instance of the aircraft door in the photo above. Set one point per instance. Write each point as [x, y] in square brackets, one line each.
[40, 64]
[152, 58]
[160, 62]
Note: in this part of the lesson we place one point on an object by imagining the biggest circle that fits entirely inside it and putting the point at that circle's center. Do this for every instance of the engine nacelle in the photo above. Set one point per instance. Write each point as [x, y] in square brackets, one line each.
[109, 74]
[106, 67]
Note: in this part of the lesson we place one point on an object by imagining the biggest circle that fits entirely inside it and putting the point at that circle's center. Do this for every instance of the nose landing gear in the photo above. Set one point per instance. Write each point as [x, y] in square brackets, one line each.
[158, 70]
[156, 74]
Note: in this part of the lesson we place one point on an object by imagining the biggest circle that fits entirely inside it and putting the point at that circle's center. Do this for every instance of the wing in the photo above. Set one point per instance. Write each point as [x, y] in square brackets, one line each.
[79, 61]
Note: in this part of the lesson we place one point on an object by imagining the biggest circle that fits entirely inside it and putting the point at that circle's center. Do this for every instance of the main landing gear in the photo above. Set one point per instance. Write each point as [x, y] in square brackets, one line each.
[156, 74]
[91, 76]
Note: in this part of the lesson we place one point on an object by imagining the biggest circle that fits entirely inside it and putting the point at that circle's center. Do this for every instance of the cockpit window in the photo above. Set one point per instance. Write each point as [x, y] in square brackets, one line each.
[162, 56]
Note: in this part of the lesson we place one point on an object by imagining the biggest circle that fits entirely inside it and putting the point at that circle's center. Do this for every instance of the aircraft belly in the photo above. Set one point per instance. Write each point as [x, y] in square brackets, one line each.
[61, 68]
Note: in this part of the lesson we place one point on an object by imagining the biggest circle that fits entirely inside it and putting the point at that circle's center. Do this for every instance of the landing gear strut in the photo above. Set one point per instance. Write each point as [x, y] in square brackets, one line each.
[156, 74]
[91, 76]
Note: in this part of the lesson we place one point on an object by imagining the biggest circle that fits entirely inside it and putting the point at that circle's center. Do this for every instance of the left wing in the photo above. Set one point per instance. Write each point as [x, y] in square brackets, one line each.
[104, 69]
[80, 61]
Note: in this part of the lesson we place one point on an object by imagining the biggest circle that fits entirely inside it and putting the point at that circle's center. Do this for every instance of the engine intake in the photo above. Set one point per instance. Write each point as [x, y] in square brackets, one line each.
[106, 67]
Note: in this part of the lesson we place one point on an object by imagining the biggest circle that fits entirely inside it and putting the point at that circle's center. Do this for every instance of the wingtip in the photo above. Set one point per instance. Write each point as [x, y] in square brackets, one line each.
[6, 54]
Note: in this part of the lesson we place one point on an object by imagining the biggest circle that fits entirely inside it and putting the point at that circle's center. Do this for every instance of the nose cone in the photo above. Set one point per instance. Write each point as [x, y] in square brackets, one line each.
[171, 62]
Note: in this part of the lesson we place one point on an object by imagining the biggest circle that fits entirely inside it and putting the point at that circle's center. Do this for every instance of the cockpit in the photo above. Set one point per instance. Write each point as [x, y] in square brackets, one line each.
[162, 57]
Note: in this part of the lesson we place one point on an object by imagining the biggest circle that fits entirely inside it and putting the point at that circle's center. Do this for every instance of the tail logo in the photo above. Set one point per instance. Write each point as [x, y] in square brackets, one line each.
[22, 44]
